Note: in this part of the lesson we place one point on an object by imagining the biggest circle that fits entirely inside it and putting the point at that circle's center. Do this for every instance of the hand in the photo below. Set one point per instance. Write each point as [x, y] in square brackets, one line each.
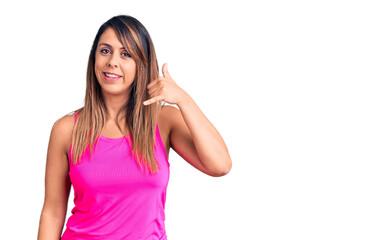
[165, 89]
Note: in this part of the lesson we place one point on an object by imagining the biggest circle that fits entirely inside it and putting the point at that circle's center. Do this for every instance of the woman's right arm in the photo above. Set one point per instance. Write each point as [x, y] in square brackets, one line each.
[57, 182]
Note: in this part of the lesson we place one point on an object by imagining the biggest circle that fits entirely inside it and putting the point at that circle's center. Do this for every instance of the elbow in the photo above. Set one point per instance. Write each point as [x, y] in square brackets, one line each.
[223, 170]
[220, 173]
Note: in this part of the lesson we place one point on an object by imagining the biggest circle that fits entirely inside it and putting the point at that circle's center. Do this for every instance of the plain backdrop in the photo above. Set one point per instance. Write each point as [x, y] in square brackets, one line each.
[299, 90]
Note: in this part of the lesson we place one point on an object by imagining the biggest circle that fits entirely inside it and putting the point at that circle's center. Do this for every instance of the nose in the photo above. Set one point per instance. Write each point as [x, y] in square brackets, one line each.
[113, 61]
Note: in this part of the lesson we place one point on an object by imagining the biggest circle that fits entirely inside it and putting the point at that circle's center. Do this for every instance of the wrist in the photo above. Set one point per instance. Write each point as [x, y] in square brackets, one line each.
[185, 100]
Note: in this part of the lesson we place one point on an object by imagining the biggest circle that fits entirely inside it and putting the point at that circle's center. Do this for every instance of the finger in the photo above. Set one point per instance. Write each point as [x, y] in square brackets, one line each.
[154, 91]
[153, 100]
[165, 71]
[151, 84]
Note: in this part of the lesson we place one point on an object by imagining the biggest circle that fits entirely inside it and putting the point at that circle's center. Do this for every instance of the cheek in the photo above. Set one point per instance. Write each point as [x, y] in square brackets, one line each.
[98, 63]
[98, 66]
[130, 70]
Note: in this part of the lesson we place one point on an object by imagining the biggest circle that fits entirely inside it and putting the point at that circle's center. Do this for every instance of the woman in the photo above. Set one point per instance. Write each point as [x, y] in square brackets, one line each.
[114, 150]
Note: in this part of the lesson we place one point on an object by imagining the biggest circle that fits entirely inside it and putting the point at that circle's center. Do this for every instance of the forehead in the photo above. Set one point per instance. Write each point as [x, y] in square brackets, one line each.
[109, 37]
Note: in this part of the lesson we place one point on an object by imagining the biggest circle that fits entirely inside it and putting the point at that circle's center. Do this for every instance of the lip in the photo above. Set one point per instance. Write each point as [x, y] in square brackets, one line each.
[111, 79]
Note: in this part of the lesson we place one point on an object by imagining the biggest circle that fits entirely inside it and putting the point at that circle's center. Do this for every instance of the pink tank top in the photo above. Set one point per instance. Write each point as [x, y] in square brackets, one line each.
[114, 198]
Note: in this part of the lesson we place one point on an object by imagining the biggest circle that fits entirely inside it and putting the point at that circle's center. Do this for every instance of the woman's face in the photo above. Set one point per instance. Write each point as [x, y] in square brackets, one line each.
[115, 69]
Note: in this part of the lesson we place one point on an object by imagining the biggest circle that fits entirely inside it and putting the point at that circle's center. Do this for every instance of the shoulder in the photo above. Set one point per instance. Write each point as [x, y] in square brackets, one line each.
[64, 124]
[166, 123]
[168, 115]
[61, 132]
[169, 110]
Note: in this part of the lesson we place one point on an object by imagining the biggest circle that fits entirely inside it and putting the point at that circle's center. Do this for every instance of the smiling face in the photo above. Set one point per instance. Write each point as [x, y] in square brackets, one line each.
[115, 69]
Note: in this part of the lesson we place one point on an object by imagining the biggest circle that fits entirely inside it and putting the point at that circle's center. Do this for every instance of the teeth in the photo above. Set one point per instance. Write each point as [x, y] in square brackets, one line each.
[111, 75]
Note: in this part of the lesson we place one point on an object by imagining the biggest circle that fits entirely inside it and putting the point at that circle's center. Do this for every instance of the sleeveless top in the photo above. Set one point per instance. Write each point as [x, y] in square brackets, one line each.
[114, 198]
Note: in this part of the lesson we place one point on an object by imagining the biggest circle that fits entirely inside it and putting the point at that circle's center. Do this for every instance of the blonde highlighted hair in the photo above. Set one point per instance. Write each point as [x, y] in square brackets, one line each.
[141, 120]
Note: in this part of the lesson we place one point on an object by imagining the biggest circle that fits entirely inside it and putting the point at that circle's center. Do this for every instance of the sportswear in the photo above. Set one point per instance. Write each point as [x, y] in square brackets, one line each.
[114, 198]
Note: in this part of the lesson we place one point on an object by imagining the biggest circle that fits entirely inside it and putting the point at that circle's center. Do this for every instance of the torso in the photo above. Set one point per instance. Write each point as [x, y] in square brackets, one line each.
[112, 131]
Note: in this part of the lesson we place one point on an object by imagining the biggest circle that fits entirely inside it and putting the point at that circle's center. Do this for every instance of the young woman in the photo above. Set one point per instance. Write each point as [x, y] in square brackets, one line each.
[114, 150]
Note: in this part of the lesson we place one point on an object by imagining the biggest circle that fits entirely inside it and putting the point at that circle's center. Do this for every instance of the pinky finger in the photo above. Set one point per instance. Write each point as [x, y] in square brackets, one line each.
[152, 100]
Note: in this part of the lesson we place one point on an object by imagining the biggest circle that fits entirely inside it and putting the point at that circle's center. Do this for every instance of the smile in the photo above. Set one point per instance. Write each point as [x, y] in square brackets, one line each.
[111, 76]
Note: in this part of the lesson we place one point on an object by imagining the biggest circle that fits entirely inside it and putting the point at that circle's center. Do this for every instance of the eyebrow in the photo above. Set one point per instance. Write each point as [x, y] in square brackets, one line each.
[108, 45]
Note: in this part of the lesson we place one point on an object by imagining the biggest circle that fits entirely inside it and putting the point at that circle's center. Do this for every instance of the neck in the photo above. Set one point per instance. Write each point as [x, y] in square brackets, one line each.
[113, 104]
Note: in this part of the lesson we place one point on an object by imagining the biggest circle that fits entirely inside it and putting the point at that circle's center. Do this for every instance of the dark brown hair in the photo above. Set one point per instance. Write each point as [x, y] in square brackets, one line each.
[141, 119]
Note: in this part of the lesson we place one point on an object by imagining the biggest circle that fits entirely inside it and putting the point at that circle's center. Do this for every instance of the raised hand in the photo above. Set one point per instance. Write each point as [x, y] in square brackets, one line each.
[165, 89]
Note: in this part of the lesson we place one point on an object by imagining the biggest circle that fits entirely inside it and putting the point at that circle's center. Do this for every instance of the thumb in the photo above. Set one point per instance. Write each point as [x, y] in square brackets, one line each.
[165, 71]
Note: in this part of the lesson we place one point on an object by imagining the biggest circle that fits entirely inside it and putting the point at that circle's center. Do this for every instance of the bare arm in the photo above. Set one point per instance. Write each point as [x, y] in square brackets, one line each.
[57, 182]
[192, 135]
[196, 140]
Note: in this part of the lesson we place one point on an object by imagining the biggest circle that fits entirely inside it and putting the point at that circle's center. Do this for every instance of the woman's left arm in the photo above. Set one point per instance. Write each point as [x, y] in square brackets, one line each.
[211, 149]
[192, 135]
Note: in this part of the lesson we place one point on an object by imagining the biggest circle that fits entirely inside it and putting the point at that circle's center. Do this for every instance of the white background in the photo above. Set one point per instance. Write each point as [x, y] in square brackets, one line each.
[299, 90]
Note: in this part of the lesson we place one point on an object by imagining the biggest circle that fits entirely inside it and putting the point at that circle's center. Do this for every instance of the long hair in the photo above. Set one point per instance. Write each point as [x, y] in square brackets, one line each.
[141, 119]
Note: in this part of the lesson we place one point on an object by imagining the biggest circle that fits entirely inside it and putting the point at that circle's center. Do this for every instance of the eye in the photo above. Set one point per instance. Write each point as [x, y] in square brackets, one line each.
[126, 54]
[103, 51]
